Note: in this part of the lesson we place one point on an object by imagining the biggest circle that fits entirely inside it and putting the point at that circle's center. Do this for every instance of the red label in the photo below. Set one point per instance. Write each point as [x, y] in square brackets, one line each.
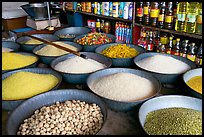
[150, 47]
[139, 12]
[175, 53]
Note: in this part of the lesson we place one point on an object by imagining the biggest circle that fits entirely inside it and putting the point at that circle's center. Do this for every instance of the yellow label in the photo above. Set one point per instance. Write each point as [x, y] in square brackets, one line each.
[168, 52]
[161, 17]
[164, 40]
[191, 57]
[146, 10]
[169, 19]
[98, 24]
[154, 13]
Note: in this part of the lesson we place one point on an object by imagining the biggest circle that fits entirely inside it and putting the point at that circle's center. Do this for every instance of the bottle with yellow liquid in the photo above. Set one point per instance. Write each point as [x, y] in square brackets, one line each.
[198, 29]
[180, 24]
[191, 17]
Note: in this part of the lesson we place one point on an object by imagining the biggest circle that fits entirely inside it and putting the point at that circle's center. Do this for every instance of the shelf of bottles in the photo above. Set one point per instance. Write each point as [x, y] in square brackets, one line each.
[181, 18]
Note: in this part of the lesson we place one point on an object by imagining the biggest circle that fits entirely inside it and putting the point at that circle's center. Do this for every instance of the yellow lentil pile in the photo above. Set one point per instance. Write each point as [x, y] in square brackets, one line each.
[15, 60]
[196, 83]
[120, 51]
[22, 85]
[50, 50]
[33, 41]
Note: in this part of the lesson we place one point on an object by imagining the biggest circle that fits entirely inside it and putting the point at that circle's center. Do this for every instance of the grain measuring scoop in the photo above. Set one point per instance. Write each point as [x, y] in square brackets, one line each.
[60, 47]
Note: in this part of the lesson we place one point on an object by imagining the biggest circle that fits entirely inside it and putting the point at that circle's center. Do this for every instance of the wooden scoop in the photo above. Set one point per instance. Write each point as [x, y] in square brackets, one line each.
[58, 46]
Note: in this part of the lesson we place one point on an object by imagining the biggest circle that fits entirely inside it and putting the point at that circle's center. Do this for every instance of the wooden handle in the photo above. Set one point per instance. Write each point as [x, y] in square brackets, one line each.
[54, 44]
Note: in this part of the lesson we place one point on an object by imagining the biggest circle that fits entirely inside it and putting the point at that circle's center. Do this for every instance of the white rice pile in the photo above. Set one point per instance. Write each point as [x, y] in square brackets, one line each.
[163, 64]
[78, 65]
[123, 87]
[6, 49]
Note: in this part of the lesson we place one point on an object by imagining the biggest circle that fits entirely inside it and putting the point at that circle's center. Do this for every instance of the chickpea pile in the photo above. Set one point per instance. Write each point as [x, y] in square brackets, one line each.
[73, 117]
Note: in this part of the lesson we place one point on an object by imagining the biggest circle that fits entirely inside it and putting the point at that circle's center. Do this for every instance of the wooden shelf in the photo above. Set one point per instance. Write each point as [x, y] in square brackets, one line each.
[102, 16]
[171, 31]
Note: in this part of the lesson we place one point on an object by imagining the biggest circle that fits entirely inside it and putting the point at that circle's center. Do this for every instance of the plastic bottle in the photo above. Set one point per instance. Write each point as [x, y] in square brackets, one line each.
[115, 9]
[99, 8]
[168, 23]
[146, 13]
[198, 29]
[181, 16]
[139, 12]
[106, 8]
[110, 9]
[126, 10]
[95, 7]
[184, 48]
[98, 25]
[199, 57]
[121, 9]
[92, 7]
[169, 45]
[191, 17]
[175, 5]
[130, 11]
[154, 13]
[160, 23]
[191, 53]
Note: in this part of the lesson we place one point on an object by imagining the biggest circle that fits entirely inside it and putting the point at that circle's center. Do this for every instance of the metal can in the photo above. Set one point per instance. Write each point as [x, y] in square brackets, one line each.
[107, 27]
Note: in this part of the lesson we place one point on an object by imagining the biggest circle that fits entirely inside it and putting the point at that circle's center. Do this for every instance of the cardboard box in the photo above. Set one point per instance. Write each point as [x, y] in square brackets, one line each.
[14, 23]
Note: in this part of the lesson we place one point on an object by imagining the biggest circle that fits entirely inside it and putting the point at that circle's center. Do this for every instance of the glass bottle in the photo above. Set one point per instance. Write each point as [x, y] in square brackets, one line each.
[198, 29]
[78, 6]
[191, 53]
[191, 17]
[199, 57]
[169, 16]
[98, 26]
[162, 48]
[102, 26]
[150, 45]
[139, 12]
[154, 13]
[92, 7]
[160, 23]
[146, 13]
[176, 48]
[181, 16]
[169, 45]
[156, 41]
[184, 48]
[175, 5]
[141, 41]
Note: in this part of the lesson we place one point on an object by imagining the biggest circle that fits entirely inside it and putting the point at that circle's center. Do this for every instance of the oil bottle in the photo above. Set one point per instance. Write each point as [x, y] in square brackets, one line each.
[169, 16]
[176, 48]
[191, 17]
[199, 57]
[181, 16]
[139, 12]
[146, 13]
[198, 29]
[169, 45]
[184, 48]
[154, 13]
[191, 53]
[175, 5]
[162, 8]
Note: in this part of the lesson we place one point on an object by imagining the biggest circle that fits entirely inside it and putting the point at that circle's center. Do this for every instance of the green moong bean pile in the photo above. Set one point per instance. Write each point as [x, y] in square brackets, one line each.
[174, 121]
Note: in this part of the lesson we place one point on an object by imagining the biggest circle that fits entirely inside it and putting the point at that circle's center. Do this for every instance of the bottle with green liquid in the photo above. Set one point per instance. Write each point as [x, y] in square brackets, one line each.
[191, 17]
[180, 24]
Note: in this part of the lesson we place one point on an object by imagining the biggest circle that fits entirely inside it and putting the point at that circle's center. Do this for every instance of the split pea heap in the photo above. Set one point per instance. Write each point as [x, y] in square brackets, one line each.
[72, 117]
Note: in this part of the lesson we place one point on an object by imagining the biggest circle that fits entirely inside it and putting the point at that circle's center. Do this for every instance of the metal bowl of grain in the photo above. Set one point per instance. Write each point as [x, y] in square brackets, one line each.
[123, 89]
[10, 105]
[166, 67]
[92, 48]
[192, 82]
[27, 108]
[164, 102]
[47, 59]
[70, 33]
[78, 77]
[120, 62]
[34, 64]
[27, 43]
[12, 46]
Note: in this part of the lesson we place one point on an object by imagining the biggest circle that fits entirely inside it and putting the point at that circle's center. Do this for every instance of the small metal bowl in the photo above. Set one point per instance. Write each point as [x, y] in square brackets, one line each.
[92, 48]
[77, 31]
[79, 78]
[164, 78]
[167, 101]
[10, 105]
[29, 47]
[187, 76]
[11, 45]
[48, 59]
[122, 105]
[27, 108]
[29, 66]
[121, 62]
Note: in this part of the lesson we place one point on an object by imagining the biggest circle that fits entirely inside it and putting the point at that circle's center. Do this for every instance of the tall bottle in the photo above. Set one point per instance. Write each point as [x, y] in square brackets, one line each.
[154, 13]
[102, 26]
[169, 45]
[111, 9]
[92, 7]
[168, 24]
[115, 9]
[126, 10]
[176, 48]
[106, 8]
[98, 26]
[191, 17]
[191, 53]
[199, 57]
[95, 7]
[198, 29]
[139, 12]
[175, 5]
[121, 9]
[99, 8]
[162, 8]
[79, 6]
[130, 11]
[146, 13]
[184, 48]
[181, 16]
